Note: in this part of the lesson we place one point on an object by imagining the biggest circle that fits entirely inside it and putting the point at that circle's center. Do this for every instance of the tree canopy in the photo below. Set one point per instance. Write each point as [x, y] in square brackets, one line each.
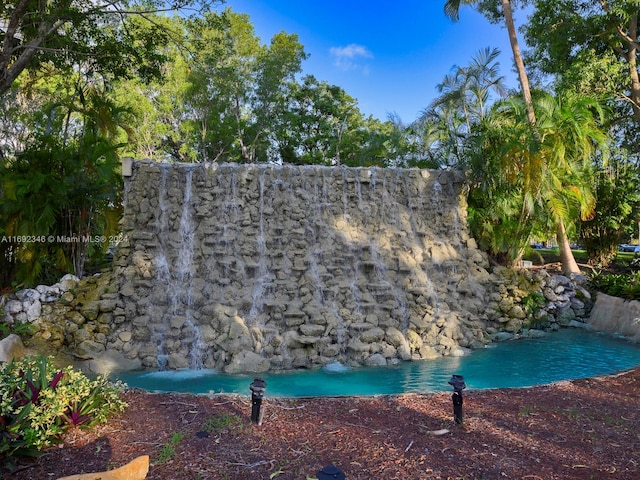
[84, 83]
[114, 37]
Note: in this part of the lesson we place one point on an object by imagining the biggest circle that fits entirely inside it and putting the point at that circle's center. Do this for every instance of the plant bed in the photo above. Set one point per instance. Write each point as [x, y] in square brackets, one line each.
[578, 429]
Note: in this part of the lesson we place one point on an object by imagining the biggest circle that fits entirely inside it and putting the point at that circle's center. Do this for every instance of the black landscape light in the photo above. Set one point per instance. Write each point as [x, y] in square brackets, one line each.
[257, 387]
[330, 472]
[457, 382]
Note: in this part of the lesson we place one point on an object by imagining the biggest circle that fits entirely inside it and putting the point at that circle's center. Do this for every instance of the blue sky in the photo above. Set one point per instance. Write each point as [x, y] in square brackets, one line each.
[388, 55]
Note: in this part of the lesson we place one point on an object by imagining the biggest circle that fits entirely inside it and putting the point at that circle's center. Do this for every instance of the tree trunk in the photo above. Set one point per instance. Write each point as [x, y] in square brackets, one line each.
[517, 58]
[633, 66]
[569, 264]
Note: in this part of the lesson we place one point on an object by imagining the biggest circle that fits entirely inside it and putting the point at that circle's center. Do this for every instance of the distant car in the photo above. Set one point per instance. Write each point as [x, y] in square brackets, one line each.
[625, 247]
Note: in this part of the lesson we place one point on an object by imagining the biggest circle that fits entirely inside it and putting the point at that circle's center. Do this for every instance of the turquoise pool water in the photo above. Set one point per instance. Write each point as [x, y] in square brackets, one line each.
[563, 355]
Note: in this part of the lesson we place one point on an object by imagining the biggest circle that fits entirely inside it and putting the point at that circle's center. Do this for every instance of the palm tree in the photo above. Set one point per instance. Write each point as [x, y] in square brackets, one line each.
[452, 10]
[552, 162]
[466, 95]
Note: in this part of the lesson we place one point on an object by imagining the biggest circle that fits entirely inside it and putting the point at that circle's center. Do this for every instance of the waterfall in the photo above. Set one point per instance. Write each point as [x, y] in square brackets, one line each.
[177, 279]
[262, 272]
[292, 266]
[185, 274]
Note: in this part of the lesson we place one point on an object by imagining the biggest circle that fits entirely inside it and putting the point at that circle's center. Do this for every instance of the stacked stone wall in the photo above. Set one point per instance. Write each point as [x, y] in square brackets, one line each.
[246, 268]
[255, 267]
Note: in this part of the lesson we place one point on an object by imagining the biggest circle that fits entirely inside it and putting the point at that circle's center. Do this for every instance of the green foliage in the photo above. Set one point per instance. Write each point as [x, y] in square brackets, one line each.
[22, 329]
[168, 450]
[117, 39]
[52, 192]
[617, 208]
[220, 423]
[617, 285]
[466, 97]
[38, 403]
[533, 178]
[232, 98]
[590, 48]
[533, 302]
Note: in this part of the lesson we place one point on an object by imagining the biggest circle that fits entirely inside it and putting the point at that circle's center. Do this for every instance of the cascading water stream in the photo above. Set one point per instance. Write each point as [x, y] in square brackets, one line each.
[325, 298]
[178, 280]
[185, 275]
[262, 273]
[162, 268]
[398, 296]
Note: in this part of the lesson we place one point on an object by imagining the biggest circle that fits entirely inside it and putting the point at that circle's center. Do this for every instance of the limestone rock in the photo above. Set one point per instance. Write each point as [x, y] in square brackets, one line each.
[13, 307]
[11, 348]
[90, 348]
[68, 282]
[112, 361]
[247, 362]
[616, 315]
[303, 265]
[376, 360]
[135, 470]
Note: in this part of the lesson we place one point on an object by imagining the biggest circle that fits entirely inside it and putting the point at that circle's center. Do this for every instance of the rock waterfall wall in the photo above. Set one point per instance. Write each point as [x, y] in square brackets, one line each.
[256, 267]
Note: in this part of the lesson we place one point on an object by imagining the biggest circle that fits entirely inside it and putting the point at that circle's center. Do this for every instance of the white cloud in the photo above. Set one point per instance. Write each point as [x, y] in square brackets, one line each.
[351, 57]
[351, 51]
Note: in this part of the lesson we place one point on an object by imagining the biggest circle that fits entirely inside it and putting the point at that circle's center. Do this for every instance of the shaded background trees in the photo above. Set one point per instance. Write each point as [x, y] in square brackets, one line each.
[82, 85]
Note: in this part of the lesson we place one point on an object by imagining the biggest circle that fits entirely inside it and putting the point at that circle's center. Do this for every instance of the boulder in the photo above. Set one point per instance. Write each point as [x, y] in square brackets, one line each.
[135, 470]
[248, 362]
[376, 360]
[68, 282]
[11, 348]
[112, 361]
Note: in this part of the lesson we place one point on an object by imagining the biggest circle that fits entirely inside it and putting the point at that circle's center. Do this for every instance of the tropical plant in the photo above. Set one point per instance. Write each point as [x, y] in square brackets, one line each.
[466, 96]
[496, 10]
[65, 198]
[39, 402]
[617, 285]
[25, 329]
[617, 207]
[544, 170]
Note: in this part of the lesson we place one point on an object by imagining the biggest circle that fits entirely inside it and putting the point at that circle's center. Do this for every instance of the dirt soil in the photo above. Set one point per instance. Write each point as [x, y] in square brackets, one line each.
[583, 429]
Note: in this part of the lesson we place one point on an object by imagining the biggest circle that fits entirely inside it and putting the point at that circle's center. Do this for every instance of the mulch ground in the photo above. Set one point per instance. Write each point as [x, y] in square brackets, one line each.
[582, 429]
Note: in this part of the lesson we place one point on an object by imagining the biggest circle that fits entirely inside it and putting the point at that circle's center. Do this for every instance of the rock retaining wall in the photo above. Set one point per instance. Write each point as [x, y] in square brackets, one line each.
[256, 267]
[250, 268]
[616, 315]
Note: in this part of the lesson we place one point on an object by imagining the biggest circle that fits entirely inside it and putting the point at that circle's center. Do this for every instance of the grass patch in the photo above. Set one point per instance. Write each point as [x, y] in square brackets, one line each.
[168, 450]
[217, 424]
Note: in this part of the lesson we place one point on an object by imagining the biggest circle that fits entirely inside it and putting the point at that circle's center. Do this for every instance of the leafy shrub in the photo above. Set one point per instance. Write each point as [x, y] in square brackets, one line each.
[617, 285]
[533, 302]
[22, 329]
[38, 403]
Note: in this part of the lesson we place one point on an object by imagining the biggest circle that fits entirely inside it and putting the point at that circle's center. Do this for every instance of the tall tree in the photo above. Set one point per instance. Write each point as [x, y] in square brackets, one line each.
[320, 118]
[551, 165]
[466, 97]
[591, 47]
[67, 33]
[495, 9]
[238, 85]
